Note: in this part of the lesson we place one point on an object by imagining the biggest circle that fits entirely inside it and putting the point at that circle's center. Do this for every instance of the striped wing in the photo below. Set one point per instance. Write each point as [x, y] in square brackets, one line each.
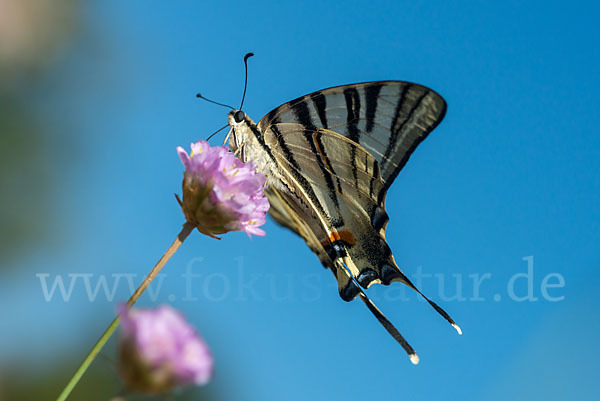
[387, 118]
[332, 203]
[343, 148]
[284, 211]
[334, 184]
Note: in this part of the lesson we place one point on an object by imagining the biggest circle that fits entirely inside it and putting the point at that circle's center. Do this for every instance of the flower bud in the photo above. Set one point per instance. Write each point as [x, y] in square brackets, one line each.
[160, 351]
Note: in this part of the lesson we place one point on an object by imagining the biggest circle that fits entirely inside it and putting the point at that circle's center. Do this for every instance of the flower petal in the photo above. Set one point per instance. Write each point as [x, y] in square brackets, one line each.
[220, 192]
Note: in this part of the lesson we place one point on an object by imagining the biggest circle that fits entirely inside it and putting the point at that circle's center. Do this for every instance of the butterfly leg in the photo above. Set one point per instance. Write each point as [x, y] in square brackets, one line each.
[227, 136]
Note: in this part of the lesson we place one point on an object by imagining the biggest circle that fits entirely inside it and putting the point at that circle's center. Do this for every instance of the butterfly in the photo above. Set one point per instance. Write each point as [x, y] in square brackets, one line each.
[330, 158]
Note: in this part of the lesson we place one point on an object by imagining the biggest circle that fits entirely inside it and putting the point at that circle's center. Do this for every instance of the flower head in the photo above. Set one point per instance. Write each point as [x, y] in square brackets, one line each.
[221, 193]
[160, 351]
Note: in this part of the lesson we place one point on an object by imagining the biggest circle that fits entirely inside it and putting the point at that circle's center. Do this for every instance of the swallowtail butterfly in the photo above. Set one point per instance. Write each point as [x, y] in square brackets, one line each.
[329, 158]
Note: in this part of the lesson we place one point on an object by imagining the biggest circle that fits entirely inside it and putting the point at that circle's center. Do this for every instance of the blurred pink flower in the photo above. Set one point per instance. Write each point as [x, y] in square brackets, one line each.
[161, 351]
[221, 193]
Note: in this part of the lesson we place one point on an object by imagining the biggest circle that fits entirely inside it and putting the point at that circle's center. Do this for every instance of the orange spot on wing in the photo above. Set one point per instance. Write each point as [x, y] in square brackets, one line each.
[344, 235]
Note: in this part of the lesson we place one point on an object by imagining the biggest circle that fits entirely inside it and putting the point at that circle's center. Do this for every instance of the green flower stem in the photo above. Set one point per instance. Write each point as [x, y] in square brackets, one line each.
[185, 231]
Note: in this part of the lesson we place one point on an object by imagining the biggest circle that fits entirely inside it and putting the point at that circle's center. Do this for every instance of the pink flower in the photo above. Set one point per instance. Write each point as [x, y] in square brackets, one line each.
[221, 193]
[161, 351]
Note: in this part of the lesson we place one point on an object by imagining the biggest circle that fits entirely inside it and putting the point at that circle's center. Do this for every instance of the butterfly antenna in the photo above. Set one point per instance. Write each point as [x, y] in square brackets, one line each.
[246, 57]
[198, 95]
[216, 132]
[414, 358]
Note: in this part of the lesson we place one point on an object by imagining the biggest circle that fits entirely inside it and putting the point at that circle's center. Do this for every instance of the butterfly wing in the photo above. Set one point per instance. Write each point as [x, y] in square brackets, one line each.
[387, 118]
[343, 147]
[283, 212]
[351, 142]
[335, 207]
[330, 158]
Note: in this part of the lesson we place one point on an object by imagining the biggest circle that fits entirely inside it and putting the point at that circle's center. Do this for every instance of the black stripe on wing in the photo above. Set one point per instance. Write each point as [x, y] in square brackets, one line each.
[320, 103]
[310, 134]
[372, 94]
[352, 118]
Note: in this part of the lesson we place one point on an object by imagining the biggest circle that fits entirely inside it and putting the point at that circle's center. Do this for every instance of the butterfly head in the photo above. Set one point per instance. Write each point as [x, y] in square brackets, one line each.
[240, 130]
[238, 116]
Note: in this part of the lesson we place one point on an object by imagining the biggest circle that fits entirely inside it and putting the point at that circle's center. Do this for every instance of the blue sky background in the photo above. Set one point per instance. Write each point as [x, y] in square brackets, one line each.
[512, 172]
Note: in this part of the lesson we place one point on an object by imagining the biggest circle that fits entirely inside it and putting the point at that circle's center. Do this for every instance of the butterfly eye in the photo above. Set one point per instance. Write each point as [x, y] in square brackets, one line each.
[239, 116]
